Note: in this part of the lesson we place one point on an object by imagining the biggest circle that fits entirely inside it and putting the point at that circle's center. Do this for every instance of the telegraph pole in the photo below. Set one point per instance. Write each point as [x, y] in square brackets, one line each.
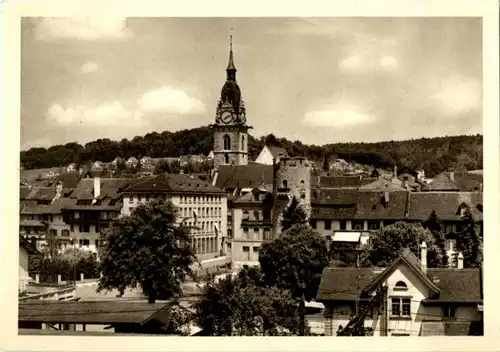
[302, 326]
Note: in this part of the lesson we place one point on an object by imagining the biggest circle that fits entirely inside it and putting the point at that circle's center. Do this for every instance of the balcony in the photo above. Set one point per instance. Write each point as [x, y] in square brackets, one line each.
[256, 222]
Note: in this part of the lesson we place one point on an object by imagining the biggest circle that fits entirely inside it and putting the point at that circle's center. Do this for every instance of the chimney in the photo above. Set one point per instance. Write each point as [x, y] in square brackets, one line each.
[452, 176]
[460, 261]
[386, 198]
[97, 187]
[395, 171]
[423, 256]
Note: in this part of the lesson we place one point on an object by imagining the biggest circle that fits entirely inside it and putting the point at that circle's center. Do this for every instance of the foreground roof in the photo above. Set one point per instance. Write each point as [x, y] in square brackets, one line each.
[108, 312]
[450, 285]
[244, 176]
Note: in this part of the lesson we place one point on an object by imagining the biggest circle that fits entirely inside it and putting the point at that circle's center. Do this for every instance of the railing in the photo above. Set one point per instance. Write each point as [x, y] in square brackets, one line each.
[61, 295]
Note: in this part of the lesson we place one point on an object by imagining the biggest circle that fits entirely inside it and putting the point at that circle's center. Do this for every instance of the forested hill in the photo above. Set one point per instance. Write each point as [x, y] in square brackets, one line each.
[431, 154]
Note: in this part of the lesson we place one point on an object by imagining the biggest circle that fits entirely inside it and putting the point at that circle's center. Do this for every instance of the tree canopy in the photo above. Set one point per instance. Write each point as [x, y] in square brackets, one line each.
[294, 214]
[244, 306]
[469, 242]
[386, 245]
[295, 260]
[149, 249]
[433, 155]
[433, 224]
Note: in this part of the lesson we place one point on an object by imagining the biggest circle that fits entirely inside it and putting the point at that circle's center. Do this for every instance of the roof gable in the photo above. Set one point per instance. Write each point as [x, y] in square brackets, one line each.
[244, 176]
[442, 182]
[406, 258]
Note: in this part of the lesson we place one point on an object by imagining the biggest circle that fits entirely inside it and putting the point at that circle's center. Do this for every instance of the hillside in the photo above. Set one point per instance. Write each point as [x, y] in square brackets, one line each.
[430, 154]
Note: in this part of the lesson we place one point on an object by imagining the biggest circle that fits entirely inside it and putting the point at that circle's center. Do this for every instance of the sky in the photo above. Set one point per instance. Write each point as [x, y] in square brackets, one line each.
[317, 80]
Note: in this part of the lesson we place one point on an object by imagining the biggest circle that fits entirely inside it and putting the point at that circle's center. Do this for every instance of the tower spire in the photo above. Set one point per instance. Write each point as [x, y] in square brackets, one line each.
[231, 69]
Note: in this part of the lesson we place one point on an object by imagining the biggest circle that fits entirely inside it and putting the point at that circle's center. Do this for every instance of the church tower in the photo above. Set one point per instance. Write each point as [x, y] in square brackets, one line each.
[230, 128]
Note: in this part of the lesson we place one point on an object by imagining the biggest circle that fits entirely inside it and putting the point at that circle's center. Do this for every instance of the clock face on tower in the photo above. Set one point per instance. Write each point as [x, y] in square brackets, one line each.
[226, 117]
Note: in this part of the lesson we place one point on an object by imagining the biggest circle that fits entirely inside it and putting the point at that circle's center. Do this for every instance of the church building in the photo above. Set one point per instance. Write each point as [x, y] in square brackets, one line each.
[230, 128]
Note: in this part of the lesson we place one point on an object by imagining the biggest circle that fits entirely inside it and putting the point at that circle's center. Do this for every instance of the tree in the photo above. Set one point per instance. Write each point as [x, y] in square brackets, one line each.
[326, 164]
[386, 245]
[295, 260]
[293, 215]
[147, 249]
[175, 166]
[433, 224]
[244, 306]
[469, 242]
[162, 167]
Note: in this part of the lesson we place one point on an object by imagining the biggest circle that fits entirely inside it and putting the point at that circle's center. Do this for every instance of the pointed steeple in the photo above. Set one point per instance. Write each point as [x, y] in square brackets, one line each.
[231, 69]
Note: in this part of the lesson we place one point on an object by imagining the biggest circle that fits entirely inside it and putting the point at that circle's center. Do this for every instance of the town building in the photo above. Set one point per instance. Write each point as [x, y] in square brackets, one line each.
[25, 250]
[452, 181]
[353, 209]
[201, 205]
[270, 154]
[404, 299]
[90, 208]
[230, 128]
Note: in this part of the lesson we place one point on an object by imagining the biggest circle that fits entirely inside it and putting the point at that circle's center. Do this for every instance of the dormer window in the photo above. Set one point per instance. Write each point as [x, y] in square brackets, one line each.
[401, 286]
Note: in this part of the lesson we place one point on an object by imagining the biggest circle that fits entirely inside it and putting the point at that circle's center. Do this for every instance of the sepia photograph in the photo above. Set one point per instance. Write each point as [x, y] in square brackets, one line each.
[199, 176]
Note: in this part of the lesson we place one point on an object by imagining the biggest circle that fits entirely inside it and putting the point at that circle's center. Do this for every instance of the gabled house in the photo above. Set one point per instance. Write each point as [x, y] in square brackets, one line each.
[26, 249]
[456, 182]
[132, 162]
[415, 300]
[146, 163]
[72, 167]
[271, 154]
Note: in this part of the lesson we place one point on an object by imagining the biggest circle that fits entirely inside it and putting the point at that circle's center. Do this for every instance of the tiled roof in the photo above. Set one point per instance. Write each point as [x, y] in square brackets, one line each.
[107, 312]
[110, 188]
[24, 192]
[173, 183]
[251, 198]
[459, 285]
[334, 196]
[460, 181]
[442, 182]
[36, 209]
[32, 223]
[42, 193]
[277, 151]
[69, 179]
[244, 176]
[446, 204]
[30, 248]
[340, 181]
[329, 212]
[372, 205]
[451, 285]
[344, 283]
[381, 184]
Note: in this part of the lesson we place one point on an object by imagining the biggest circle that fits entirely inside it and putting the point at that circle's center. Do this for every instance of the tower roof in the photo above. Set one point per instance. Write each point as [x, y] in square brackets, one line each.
[230, 65]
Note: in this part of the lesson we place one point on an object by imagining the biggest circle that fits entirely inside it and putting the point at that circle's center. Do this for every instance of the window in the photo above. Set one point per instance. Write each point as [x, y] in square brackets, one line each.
[65, 233]
[358, 224]
[243, 143]
[343, 224]
[400, 286]
[285, 184]
[227, 142]
[84, 243]
[85, 227]
[246, 253]
[256, 250]
[245, 229]
[226, 159]
[267, 234]
[246, 215]
[302, 183]
[449, 312]
[256, 229]
[312, 223]
[373, 224]
[303, 195]
[328, 224]
[450, 244]
[96, 243]
[400, 307]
